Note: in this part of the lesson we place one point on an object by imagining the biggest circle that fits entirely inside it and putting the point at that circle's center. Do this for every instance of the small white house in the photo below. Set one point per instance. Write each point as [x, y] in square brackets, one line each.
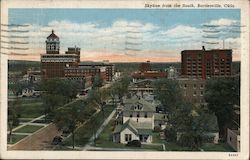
[132, 130]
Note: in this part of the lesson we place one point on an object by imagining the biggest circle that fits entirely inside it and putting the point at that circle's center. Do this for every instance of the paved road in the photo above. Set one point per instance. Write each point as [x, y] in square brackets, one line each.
[40, 140]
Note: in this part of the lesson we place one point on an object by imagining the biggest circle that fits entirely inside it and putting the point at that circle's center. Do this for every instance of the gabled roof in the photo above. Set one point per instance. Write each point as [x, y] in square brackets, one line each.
[159, 116]
[52, 35]
[129, 105]
[119, 128]
[136, 128]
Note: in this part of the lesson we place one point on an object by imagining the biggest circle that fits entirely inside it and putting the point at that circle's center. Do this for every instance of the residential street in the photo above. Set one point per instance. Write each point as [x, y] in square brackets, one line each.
[40, 140]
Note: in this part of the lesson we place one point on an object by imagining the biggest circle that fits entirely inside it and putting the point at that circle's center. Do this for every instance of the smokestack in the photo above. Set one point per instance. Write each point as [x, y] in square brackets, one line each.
[203, 48]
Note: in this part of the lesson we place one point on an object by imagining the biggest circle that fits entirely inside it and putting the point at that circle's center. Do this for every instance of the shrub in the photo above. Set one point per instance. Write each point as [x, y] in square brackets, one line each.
[157, 129]
[134, 143]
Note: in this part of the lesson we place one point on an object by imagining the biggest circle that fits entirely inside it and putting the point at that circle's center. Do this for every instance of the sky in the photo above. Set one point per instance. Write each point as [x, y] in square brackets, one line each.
[128, 34]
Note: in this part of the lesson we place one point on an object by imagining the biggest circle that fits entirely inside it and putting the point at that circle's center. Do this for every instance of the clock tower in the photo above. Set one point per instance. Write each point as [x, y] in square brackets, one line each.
[52, 44]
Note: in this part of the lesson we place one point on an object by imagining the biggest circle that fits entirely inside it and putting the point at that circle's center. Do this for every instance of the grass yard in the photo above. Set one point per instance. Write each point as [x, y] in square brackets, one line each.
[105, 141]
[170, 146]
[31, 110]
[221, 147]
[84, 133]
[156, 138]
[16, 138]
[28, 129]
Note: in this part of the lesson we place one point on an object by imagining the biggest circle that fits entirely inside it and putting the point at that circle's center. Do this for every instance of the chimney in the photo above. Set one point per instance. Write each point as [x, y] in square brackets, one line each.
[203, 48]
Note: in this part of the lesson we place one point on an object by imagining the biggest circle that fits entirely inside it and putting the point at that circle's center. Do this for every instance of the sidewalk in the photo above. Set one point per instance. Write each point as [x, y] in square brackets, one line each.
[98, 132]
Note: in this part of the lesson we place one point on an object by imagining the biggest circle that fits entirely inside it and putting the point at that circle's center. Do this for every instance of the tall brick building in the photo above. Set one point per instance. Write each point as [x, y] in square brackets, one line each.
[53, 63]
[203, 64]
[56, 65]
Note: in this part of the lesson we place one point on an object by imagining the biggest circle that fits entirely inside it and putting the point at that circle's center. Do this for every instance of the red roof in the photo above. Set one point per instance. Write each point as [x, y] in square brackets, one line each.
[52, 35]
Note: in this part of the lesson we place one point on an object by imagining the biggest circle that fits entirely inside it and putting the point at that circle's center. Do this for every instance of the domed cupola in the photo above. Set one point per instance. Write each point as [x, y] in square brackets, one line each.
[52, 44]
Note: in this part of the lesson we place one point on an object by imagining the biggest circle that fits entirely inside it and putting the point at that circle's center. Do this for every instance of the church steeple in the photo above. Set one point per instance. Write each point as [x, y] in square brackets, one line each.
[52, 44]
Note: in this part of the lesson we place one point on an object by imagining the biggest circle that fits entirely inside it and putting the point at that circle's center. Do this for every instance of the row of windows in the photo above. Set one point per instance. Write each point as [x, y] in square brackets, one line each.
[201, 86]
[138, 115]
[195, 93]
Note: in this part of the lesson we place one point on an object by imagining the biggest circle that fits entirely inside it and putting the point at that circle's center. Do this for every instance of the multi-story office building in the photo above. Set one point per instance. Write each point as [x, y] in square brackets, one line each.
[109, 69]
[56, 65]
[203, 64]
[53, 63]
[192, 89]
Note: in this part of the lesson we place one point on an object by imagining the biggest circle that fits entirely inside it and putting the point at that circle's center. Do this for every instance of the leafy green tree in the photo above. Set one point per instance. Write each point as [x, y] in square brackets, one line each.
[97, 82]
[99, 96]
[70, 117]
[222, 94]
[169, 93]
[12, 118]
[120, 88]
[57, 92]
[190, 124]
[17, 87]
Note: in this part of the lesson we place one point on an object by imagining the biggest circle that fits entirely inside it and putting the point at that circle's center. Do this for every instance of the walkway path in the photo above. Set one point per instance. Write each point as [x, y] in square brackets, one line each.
[26, 123]
[98, 132]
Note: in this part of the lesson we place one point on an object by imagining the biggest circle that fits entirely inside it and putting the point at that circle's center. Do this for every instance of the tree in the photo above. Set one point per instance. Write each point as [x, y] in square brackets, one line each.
[70, 117]
[99, 96]
[168, 92]
[222, 94]
[17, 87]
[12, 118]
[190, 124]
[56, 93]
[97, 82]
[120, 88]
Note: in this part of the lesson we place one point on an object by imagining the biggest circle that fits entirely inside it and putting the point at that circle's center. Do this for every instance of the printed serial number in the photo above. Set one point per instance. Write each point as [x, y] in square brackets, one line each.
[233, 154]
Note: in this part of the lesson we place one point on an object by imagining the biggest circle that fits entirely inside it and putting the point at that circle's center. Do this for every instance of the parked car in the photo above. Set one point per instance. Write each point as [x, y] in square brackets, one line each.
[134, 143]
[57, 140]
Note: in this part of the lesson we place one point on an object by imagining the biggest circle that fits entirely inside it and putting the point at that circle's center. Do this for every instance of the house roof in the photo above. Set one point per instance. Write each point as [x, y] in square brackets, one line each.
[159, 116]
[136, 128]
[131, 103]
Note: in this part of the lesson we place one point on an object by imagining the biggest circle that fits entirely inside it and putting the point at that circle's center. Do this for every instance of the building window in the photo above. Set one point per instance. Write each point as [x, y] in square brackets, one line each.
[201, 87]
[128, 137]
[185, 86]
[138, 115]
[194, 93]
[201, 93]
[194, 85]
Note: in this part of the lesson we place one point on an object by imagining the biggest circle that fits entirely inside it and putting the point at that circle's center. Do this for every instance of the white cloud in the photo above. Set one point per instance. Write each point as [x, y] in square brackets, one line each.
[223, 22]
[93, 38]
[182, 31]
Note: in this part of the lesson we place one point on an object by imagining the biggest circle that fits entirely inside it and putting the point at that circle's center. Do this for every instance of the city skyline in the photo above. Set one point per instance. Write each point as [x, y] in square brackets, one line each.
[130, 35]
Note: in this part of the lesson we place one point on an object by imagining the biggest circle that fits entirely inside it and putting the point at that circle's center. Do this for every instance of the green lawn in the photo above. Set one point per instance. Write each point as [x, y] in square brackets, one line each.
[170, 146]
[105, 141]
[28, 129]
[221, 147]
[16, 138]
[84, 133]
[31, 110]
[156, 138]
